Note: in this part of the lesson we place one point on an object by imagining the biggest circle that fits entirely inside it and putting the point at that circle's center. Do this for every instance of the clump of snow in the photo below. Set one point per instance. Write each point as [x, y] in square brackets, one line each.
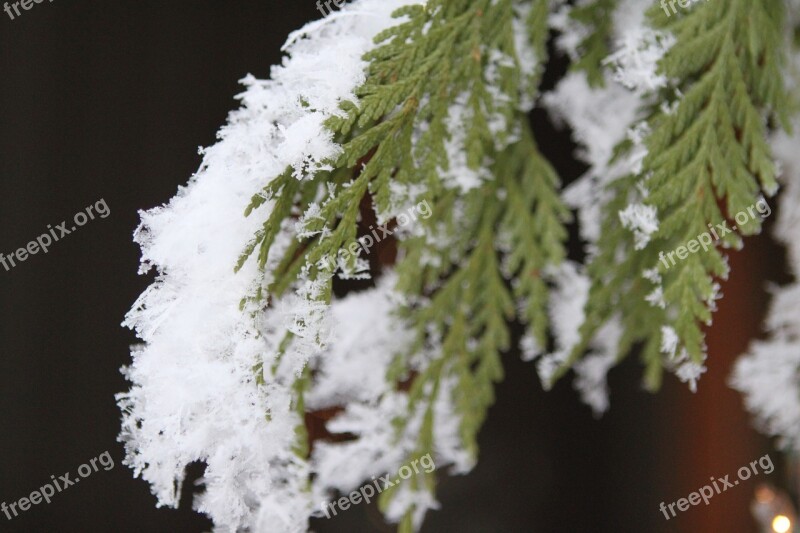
[195, 394]
[352, 372]
[636, 59]
[689, 372]
[370, 333]
[669, 341]
[529, 63]
[458, 174]
[568, 298]
[599, 117]
[642, 220]
[591, 372]
[637, 48]
[571, 33]
[678, 359]
[529, 347]
[421, 501]
[566, 309]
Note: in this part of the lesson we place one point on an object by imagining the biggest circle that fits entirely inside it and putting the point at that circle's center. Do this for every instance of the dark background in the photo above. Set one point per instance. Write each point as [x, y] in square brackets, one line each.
[111, 100]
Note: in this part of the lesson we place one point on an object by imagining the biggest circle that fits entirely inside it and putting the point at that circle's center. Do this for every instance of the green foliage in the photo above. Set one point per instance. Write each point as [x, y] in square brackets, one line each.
[462, 54]
[464, 315]
[422, 68]
[707, 160]
[449, 73]
[596, 16]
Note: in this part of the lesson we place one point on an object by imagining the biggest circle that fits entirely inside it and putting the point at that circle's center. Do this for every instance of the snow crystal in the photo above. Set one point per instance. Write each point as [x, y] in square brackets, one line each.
[642, 220]
[690, 372]
[566, 309]
[680, 363]
[656, 298]
[669, 341]
[638, 48]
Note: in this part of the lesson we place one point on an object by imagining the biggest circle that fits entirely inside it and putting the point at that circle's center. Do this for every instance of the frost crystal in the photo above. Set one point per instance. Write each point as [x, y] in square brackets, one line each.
[642, 220]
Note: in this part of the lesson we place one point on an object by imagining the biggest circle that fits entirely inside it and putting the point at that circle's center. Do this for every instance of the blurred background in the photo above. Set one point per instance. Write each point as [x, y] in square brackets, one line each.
[110, 100]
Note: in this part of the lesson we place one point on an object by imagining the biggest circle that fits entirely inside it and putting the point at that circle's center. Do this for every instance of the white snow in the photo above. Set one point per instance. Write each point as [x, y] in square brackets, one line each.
[642, 219]
[194, 395]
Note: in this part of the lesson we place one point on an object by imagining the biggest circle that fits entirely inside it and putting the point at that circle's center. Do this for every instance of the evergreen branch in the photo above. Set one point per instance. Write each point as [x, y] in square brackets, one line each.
[707, 160]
